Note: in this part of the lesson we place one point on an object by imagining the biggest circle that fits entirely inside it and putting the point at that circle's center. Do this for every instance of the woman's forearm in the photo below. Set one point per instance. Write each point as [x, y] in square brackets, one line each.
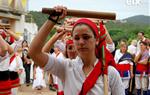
[35, 49]
[137, 58]
[16, 37]
[47, 47]
[3, 45]
[39, 40]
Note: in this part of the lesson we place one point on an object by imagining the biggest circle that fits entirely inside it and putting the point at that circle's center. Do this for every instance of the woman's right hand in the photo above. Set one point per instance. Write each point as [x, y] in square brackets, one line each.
[61, 9]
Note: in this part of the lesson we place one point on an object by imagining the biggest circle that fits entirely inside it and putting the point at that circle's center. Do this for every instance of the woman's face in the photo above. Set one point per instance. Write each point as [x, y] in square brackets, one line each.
[140, 35]
[24, 44]
[84, 40]
[71, 52]
[143, 47]
[123, 47]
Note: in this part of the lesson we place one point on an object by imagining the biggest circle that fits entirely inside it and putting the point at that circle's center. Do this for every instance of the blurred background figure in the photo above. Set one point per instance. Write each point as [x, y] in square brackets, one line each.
[141, 60]
[26, 61]
[38, 82]
[132, 48]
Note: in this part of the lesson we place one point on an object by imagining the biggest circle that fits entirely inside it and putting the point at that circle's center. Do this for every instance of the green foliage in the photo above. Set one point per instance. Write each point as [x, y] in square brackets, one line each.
[38, 17]
[126, 30]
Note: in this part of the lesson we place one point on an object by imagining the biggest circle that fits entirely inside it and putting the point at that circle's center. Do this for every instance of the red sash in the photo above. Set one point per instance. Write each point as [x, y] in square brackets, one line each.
[14, 82]
[60, 93]
[12, 58]
[141, 68]
[122, 68]
[91, 79]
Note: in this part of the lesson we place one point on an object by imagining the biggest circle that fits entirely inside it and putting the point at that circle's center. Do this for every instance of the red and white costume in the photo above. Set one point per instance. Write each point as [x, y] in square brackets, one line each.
[123, 67]
[57, 81]
[5, 83]
[72, 76]
[141, 72]
[15, 68]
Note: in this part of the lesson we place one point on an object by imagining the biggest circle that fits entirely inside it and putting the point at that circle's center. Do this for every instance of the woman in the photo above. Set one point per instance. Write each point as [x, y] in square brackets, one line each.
[124, 64]
[38, 82]
[5, 52]
[69, 52]
[141, 60]
[74, 72]
[8, 68]
[26, 61]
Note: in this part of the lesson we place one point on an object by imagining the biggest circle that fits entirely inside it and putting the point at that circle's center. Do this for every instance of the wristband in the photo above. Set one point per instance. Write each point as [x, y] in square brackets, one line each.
[55, 21]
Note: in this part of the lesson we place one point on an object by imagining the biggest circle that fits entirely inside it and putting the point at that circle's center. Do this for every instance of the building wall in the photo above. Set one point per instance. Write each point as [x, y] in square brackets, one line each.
[14, 11]
[31, 30]
[19, 25]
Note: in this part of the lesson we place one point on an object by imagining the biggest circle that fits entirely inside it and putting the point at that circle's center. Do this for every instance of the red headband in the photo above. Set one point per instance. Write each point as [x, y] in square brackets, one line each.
[89, 23]
[68, 42]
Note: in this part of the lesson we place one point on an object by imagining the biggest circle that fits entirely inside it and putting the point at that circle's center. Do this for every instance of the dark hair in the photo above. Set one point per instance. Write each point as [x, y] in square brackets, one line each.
[26, 42]
[144, 43]
[65, 52]
[141, 32]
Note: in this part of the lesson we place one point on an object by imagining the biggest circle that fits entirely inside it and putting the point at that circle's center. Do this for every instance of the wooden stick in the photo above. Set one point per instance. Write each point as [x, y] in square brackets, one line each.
[130, 85]
[80, 13]
[105, 84]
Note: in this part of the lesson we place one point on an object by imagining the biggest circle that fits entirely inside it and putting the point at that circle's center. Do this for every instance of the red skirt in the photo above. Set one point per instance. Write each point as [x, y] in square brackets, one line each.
[5, 87]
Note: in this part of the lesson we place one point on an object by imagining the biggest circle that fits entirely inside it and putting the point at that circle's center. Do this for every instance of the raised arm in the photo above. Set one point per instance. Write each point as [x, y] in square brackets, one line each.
[51, 42]
[108, 38]
[110, 44]
[35, 49]
[12, 34]
[5, 47]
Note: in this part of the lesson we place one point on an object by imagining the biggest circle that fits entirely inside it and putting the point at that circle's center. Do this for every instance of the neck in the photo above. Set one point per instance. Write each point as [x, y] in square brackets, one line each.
[88, 64]
[89, 61]
[142, 38]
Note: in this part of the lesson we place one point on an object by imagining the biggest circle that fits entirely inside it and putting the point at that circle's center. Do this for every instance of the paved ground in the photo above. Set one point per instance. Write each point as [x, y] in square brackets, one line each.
[24, 90]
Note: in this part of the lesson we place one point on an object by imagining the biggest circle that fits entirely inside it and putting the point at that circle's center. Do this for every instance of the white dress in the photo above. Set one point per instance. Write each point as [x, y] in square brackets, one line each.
[39, 81]
[72, 76]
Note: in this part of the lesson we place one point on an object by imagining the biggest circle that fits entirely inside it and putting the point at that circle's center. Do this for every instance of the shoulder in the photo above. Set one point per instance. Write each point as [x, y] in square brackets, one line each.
[118, 50]
[112, 72]
[60, 61]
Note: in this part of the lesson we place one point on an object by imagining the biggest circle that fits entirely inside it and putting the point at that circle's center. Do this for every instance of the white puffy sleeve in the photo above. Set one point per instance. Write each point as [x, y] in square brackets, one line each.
[115, 82]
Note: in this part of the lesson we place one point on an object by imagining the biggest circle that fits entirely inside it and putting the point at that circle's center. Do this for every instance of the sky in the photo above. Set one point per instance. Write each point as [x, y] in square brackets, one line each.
[122, 8]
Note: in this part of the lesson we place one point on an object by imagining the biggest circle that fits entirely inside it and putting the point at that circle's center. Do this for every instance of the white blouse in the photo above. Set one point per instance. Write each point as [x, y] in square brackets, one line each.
[4, 62]
[72, 76]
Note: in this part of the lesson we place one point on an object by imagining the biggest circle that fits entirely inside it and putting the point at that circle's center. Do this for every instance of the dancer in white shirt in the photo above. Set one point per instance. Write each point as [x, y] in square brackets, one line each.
[77, 73]
[124, 64]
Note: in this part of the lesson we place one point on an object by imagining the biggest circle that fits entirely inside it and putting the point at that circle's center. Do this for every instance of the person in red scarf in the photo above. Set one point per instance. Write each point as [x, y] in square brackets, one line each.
[68, 52]
[9, 79]
[141, 60]
[7, 35]
[84, 74]
[124, 64]
[5, 52]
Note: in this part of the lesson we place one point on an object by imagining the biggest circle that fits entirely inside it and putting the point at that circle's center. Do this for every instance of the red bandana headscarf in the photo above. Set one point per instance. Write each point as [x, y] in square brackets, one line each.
[68, 42]
[102, 35]
[105, 58]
